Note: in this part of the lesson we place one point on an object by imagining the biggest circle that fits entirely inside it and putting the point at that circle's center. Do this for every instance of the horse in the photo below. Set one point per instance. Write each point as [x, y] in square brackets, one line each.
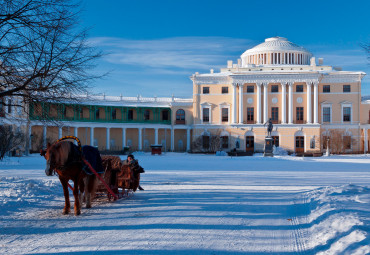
[65, 158]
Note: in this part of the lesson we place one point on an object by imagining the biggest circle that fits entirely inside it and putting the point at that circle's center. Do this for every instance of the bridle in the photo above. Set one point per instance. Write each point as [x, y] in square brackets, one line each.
[50, 167]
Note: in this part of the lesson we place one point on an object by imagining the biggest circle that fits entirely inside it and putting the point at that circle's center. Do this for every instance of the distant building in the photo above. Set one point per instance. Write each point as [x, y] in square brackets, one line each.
[276, 79]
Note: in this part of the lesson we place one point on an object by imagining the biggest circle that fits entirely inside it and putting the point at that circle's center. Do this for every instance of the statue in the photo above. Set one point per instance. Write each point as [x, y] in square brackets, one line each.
[269, 126]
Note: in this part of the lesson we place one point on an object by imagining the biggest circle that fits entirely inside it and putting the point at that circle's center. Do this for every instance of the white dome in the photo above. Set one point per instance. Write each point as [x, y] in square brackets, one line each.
[276, 51]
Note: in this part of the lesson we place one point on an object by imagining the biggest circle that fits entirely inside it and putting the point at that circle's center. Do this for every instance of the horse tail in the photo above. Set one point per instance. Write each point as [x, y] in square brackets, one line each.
[71, 137]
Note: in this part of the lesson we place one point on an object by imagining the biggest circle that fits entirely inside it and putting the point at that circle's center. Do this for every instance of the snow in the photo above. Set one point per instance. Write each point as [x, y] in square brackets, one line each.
[199, 204]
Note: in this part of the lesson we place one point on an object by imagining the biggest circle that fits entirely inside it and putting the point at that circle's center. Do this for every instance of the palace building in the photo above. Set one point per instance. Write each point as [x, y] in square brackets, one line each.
[307, 101]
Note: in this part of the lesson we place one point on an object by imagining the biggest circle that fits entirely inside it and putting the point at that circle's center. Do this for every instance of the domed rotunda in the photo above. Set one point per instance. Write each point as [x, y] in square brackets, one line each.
[276, 51]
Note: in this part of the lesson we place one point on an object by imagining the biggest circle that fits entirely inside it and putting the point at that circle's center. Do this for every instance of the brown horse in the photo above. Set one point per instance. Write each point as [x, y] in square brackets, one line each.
[65, 159]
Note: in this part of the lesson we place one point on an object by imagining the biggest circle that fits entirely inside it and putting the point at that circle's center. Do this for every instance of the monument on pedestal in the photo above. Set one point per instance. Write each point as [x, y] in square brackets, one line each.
[268, 140]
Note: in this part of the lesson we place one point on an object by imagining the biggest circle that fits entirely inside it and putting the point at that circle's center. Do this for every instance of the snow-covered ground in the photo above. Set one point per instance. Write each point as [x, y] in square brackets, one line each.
[197, 204]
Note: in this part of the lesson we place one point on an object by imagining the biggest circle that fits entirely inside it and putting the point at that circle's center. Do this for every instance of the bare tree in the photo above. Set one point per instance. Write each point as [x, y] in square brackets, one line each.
[207, 143]
[339, 141]
[43, 55]
[10, 140]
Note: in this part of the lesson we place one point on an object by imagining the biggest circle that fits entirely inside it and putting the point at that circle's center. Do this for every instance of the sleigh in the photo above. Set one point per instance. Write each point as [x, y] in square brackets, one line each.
[118, 177]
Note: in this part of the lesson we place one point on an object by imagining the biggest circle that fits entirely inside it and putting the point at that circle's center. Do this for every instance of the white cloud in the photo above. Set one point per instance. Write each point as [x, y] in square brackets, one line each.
[178, 52]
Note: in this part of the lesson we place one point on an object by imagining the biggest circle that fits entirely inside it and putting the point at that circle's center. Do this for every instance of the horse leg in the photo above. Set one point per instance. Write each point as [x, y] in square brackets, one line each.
[67, 205]
[77, 207]
[81, 188]
[87, 192]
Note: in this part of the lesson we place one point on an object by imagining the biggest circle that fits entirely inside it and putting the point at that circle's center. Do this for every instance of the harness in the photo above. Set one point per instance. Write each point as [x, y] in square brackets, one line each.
[75, 160]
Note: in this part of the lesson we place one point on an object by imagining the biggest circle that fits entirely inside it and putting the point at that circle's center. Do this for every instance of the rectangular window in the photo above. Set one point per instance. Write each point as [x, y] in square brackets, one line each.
[299, 88]
[225, 114]
[130, 115]
[250, 115]
[326, 89]
[326, 114]
[274, 88]
[299, 142]
[347, 142]
[275, 114]
[114, 114]
[346, 88]
[250, 89]
[205, 114]
[225, 142]
[97, 114]
[205, 90]
[299, 115]
[346, 113]
[147, 115]
[165, 115]
[205, 142]
[225, 90]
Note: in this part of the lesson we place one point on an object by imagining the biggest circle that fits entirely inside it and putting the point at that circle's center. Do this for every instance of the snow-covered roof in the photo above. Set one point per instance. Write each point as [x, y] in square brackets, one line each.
[138, 101]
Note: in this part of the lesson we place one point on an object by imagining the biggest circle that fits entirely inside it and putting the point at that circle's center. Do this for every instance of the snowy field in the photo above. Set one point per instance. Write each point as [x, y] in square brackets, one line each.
[197, 204]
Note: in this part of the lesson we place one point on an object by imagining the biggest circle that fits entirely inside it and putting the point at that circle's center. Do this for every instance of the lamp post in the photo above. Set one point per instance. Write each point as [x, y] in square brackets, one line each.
[327, 148]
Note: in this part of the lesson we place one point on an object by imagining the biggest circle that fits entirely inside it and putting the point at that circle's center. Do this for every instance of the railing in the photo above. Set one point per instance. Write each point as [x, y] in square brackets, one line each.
[33, 117]
[300, 122]
[180, 122]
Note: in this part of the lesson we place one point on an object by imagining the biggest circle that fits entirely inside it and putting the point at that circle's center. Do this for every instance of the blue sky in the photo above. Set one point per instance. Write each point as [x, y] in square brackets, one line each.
[152, 47]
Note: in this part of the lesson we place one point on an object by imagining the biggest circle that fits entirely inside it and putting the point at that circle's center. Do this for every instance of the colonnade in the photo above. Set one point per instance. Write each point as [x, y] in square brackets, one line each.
[124, 135]
[283, 85]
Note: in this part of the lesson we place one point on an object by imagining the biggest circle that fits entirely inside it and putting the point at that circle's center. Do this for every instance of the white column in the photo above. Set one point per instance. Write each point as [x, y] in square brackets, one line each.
[233, 116]
[123, 137]
[29, 139]
[365, 141]
[140, 139]
[259, 103]
[172, 139]
[44, 136]
[108, 139]
[60, 132]
[265, 103]
[309, 106]
[241, 120]
[92, 136]
[315, 103]
[290, 103]
[188, 139]
[156, 136]
[75, 133]
[283, 102]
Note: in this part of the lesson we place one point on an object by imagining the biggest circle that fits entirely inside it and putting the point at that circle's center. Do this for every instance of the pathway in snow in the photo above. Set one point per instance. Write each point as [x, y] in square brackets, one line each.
[197, 211]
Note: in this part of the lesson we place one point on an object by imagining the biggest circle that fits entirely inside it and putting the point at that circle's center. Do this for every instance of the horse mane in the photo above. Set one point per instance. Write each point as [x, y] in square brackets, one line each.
[65, 152]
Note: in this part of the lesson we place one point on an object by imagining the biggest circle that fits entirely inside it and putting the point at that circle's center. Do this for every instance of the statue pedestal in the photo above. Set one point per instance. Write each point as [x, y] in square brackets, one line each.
[268, 147]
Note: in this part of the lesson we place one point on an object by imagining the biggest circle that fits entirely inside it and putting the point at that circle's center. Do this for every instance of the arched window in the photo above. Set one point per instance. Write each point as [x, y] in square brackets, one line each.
[180, 116]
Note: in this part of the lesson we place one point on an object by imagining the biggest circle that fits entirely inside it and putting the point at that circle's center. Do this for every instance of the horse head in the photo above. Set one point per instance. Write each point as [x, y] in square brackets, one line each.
[48, 155]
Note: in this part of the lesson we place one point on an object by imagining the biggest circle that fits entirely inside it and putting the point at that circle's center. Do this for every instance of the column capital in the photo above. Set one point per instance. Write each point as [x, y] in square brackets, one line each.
[309, 84]
[265, 83]
[234, 84]
[289, 83]
[241, 85]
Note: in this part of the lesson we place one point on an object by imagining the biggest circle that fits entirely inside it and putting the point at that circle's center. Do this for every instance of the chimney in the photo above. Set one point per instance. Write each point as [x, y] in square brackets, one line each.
[229, 64]
[321, 61]
[239, 62]
[313, 61]
[211, 71]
